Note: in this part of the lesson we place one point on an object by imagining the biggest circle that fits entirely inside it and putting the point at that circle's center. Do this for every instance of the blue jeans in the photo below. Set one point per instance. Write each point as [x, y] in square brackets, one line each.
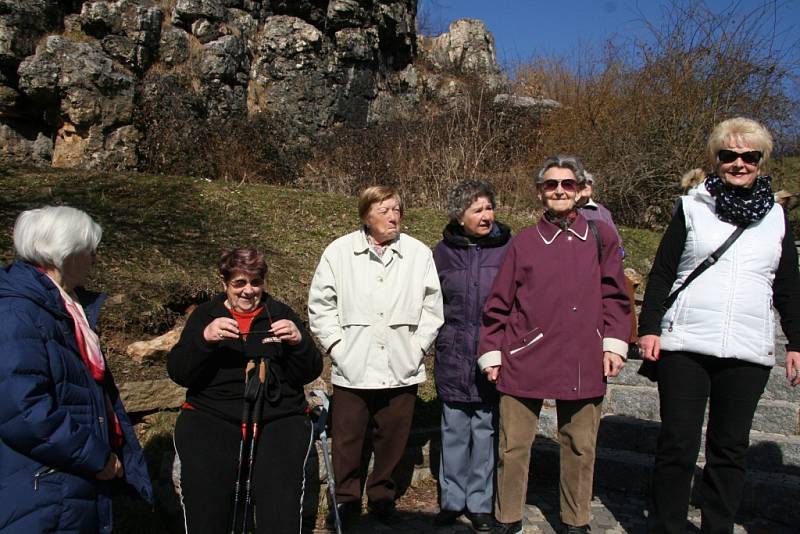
[467, 461]
[686, 383]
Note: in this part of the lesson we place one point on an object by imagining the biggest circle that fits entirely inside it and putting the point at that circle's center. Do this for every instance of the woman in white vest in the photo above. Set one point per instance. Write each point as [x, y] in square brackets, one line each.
[715, 344]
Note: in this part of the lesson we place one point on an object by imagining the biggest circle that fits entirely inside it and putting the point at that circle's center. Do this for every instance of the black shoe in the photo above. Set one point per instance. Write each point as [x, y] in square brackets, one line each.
[481, 522]
[569, 529]
[446, 517]
[507, 528]
[382, 509]
[348, 511]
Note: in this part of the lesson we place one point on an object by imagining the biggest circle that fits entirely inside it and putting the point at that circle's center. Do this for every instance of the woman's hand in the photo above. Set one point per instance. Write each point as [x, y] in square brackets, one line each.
[287, 331]
[492, 373]
[221, 328]
[112, 470]
[793, 367]
[612, 363]
[650, 347]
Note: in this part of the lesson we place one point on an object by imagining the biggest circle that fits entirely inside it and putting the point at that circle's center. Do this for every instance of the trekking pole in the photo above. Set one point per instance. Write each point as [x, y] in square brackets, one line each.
[319, 426]
[261, 366]
[237, 496]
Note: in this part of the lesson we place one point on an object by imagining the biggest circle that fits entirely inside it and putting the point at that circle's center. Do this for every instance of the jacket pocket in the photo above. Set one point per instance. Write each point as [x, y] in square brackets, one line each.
[527, 340]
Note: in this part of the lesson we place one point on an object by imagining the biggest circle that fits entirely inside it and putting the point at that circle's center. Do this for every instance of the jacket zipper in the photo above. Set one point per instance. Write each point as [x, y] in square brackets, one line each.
[41, 474]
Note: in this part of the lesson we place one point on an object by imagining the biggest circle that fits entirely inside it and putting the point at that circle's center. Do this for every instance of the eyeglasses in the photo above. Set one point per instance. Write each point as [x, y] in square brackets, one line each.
[751, 157]
[240, 283]
[569, 185]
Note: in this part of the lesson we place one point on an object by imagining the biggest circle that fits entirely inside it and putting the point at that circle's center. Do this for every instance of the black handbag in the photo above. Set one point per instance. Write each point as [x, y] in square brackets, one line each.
[649, 368]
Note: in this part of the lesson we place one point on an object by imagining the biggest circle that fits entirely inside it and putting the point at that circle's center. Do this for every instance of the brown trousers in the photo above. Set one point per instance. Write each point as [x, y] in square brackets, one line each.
[390, 411]
[578, 422]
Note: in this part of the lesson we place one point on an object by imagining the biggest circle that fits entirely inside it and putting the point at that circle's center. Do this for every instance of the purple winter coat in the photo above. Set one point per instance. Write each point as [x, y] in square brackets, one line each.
[553, 309]
[466, 271]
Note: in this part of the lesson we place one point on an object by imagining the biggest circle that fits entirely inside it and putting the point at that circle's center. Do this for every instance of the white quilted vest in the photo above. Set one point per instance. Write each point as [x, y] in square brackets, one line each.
[727, 310]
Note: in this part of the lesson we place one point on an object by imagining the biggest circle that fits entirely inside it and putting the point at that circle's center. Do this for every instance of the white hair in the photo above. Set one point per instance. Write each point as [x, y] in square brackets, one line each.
[47, 236]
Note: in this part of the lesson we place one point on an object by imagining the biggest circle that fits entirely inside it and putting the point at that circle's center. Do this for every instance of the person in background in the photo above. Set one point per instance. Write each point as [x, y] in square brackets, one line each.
[64, 434]
[467, 259]
[210, 360]
[594, 211]
[375, 305]
[715, 344]
[555, 325]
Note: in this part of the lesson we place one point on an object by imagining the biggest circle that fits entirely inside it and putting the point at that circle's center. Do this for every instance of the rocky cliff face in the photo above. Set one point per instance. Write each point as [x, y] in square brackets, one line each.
[72, 73]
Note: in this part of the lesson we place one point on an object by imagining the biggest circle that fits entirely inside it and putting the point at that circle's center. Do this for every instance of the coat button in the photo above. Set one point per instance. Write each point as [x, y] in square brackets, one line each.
[574, 308]
[574, 389]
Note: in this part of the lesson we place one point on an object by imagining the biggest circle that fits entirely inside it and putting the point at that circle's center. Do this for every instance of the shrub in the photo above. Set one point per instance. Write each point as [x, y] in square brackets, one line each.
[425, 154]
[640, 114]
[182, 137]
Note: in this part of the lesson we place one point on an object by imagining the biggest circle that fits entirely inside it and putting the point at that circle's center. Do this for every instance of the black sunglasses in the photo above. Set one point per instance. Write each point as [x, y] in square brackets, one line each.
[239, 283]
[751, 157]
[569, 185]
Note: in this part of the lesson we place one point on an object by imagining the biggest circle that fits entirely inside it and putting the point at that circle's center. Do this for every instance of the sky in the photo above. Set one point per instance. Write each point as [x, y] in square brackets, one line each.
[561, 28]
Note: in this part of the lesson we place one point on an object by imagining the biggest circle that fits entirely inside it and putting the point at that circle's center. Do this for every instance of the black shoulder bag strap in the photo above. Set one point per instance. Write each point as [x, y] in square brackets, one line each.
[649, 368]
[593, 228]
[700, 269]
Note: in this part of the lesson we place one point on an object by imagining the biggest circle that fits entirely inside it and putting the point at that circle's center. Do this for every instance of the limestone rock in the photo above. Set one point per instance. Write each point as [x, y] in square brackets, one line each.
[468, 46]
[187, 11]
[158, 346]
[357, 44]
[91, 92]
[524, 103]
[222, 59]
[173, 48]
[151, 395]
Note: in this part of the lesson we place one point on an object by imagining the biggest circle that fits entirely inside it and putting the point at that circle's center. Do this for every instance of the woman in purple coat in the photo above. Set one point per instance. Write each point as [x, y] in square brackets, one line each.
[555, 325]
[467, 259]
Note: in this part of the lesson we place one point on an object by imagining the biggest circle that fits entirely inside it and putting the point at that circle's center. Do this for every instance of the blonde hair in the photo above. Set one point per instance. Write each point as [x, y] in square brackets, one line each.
[739, 130]
[49, 235]
[375, 195]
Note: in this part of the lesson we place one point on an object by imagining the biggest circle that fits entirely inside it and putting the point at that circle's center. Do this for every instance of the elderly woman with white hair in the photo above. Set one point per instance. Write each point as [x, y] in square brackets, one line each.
[711, 329]
[64, 434]
[556, 323]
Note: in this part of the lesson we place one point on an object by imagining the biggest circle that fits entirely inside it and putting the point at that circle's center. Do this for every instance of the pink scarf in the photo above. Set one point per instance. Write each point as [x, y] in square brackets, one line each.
[89, 347]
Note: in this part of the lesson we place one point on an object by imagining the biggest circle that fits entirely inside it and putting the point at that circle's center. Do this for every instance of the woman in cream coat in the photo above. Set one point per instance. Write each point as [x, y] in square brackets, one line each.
[375, 305]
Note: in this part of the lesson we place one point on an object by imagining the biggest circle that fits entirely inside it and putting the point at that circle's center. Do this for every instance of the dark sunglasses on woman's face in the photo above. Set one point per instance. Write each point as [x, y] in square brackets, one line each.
[751, 157]
[569, 185]
[239, 283]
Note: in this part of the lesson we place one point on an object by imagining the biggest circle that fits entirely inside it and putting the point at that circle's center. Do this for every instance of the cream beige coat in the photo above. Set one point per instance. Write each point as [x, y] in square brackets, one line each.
[376, 317]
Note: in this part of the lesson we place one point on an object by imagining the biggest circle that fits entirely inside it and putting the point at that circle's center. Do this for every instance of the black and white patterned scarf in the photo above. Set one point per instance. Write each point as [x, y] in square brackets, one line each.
[739, 205]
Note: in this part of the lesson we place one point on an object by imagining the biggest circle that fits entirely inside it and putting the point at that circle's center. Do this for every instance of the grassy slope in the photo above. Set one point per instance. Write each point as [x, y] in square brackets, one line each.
[162, 235]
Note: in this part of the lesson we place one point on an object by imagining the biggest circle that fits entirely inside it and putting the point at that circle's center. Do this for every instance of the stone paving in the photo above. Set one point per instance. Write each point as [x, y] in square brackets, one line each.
[613, 513]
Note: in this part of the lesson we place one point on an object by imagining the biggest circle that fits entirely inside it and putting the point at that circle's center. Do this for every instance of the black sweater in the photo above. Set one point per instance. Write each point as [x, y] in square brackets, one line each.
[785, 288]
[214, 372]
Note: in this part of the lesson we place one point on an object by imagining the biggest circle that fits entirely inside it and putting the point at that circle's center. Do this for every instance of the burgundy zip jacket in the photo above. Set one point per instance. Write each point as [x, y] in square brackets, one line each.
[553, 309]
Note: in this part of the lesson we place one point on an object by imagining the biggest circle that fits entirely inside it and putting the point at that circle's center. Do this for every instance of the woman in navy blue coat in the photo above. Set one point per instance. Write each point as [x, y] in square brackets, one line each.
[64, 434]
[467, 259]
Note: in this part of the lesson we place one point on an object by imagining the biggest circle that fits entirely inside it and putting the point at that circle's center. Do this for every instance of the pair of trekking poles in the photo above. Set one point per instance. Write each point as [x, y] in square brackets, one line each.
[256, 375]
[256, 381]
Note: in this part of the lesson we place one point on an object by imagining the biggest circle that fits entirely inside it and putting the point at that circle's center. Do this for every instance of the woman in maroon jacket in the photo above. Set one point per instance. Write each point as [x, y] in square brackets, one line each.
[555, 325]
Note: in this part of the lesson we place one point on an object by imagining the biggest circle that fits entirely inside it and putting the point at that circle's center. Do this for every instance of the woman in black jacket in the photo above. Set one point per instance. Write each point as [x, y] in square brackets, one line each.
[212, 359]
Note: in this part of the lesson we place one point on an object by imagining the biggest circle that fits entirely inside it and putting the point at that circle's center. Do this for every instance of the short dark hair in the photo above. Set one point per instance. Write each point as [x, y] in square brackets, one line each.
[248, 260]
[463, 194]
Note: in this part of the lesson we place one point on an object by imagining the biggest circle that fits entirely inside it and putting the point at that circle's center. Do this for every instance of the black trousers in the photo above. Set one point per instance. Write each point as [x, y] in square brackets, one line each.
[208, 448]
[686, 383]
